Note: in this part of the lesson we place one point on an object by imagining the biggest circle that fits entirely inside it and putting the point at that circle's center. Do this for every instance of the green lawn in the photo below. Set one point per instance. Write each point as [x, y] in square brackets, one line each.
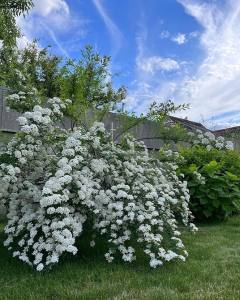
[211, 272]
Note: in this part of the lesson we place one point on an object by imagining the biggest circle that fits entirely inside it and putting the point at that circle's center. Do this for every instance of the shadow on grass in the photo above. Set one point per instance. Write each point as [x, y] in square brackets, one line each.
[88, 257]
[92, 261]
[212, 269]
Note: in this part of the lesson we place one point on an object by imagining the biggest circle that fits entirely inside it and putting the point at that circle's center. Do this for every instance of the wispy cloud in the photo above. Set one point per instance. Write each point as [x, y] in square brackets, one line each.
[46, 7]
[112, 28]
[56, 41]
[165, 34]
[214, 89]
[150, 83]
[151, 64]
[51, 19]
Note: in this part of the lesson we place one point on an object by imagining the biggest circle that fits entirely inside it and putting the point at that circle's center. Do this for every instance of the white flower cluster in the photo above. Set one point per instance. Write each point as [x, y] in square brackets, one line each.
[23, 100]
[210, 141]
[27, 95]
[62, 178]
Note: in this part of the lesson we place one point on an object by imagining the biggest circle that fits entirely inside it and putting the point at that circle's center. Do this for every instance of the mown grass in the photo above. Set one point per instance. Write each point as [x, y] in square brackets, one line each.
[211, 272]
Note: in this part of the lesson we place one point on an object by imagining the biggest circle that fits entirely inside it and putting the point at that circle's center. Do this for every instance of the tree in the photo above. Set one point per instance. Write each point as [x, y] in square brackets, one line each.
[88, 83]
[9, 10]
[43, 68]
[16, 7]
[32, 71]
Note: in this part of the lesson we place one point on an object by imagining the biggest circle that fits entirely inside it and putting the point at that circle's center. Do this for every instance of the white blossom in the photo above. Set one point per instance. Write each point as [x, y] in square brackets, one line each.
[58, 183]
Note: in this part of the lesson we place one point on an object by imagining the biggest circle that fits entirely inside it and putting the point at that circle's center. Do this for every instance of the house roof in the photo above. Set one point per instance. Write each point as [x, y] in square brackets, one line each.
[224, 131]
[191, 125]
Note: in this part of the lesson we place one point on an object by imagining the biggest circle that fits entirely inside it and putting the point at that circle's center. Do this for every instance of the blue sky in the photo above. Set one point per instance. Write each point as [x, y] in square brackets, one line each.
[184, 50]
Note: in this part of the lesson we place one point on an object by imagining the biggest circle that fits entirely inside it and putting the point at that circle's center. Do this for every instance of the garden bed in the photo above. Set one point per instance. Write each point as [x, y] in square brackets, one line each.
[210, 272]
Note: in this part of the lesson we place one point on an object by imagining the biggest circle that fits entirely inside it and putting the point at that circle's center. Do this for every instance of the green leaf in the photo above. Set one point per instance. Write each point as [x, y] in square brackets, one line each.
[203, 200]
[207, 213]
[215, 203]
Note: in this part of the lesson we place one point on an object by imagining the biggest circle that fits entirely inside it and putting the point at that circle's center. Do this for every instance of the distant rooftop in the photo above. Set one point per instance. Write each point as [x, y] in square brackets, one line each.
[191, 125]
[230, 130]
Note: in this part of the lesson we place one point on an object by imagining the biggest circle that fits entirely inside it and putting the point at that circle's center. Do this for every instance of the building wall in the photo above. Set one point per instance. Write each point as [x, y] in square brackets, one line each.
[147, 131]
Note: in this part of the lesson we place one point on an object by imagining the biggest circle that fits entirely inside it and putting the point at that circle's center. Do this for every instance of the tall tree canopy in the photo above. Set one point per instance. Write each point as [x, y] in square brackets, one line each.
[17, 7]
[88, 83]
[9, 10]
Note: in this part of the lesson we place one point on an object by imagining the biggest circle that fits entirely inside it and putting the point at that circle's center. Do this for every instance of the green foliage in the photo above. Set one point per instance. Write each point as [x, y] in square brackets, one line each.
[16, 7]
[87, 82]
[9, 10]
[199, 155]
[159, 113]
[9, 32]
[211, 272]
[41, 75]
[32, 68]
[43, 69]
[7, 159]
[213, 180]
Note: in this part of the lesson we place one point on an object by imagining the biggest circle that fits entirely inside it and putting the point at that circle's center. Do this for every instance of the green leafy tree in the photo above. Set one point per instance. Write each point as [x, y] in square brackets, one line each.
[9, 10]
[33, 71]
[87, 82]
[43, 68]
[16, 7]
[41, 75]
[9, 32]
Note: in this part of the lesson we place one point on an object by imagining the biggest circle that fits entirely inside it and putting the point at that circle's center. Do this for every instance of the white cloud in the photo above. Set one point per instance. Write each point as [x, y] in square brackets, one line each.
[143, 92]
[46, 7]
[112, 28]
[180, 38]
[214, 124]
[156, 63]
[150, 64]
[56, 41]
[214, 89]
[51, 19]
[150, 83]
[193, 34]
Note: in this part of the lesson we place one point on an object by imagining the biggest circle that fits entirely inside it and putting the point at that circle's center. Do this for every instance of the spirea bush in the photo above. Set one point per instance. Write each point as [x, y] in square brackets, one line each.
[210, 141]
[213, 178]
[61, 179]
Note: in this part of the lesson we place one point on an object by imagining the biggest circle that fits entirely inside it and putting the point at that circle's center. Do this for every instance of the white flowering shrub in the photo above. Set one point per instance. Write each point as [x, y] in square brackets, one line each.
[210, 141]
[26, 97]
[62, 178]
[22, 100]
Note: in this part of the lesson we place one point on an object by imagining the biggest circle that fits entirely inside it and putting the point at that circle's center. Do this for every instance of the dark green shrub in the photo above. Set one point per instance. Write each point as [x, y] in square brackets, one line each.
[7, 159]
[213, 180]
